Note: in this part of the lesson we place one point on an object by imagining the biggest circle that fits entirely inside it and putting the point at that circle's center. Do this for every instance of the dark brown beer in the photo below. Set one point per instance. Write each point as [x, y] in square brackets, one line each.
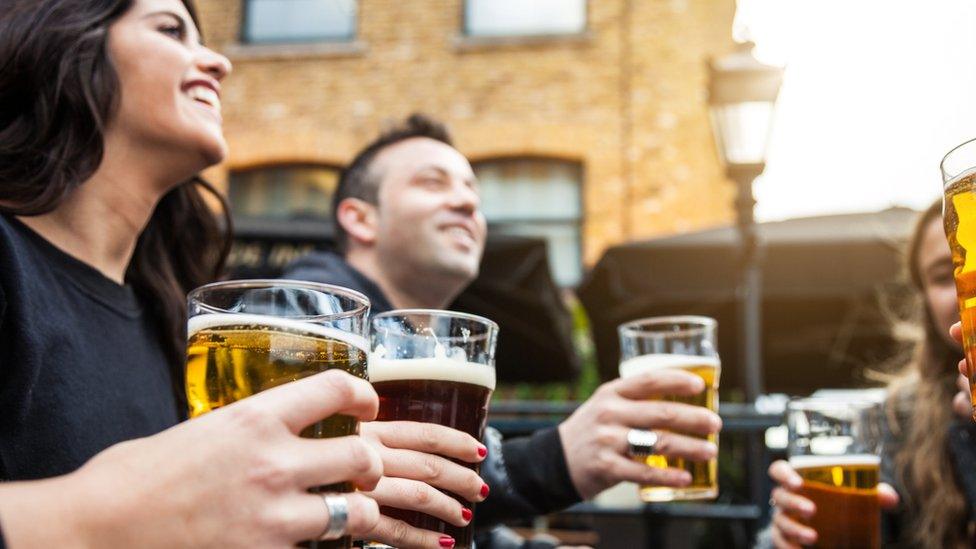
[233, 356]
[845, 491]
[442, 391]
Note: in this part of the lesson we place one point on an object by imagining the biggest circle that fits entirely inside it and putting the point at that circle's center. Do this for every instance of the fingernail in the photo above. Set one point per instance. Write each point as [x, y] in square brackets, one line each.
[482, 451]
[466, 514]
[446, 541]
[485, 490]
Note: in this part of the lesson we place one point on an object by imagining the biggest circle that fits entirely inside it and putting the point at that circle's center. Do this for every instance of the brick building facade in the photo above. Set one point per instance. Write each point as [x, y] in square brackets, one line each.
[605, 126]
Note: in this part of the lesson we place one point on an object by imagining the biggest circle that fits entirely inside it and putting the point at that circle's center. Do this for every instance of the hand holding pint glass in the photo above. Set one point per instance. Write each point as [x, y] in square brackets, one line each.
[686, 343]
[435, 367]
[833, 447]
[248, 336]
[959, 217]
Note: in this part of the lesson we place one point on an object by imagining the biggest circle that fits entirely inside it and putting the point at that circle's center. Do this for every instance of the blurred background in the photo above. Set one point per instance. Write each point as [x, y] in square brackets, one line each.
[758, 161]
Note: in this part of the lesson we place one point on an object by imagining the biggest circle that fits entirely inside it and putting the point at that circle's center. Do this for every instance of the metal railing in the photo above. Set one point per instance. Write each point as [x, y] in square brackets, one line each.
[519, 418]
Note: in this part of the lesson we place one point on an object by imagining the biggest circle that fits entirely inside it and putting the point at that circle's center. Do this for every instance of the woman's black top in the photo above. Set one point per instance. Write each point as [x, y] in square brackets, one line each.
[81, 363]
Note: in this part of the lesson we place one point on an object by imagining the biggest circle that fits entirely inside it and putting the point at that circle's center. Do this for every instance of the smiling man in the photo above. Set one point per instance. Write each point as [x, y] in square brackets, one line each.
[410, 232]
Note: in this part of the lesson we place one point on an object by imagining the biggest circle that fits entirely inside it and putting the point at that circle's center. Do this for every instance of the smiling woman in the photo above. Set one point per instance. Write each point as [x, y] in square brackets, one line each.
[108, 111]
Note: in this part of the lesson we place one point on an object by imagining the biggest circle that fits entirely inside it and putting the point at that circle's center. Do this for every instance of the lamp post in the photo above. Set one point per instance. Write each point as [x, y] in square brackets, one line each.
[741, 97]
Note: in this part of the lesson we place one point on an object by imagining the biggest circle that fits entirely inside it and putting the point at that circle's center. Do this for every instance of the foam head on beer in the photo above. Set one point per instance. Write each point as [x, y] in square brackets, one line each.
[446, 365]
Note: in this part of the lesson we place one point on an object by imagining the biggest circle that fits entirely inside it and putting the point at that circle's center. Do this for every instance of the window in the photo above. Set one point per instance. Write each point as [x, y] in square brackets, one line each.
[290, 21]
[524, 18]
[283, 192]
[537, 197]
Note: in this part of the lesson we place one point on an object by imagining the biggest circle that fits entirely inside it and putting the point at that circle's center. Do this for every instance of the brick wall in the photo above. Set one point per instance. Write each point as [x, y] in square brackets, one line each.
[627, 99]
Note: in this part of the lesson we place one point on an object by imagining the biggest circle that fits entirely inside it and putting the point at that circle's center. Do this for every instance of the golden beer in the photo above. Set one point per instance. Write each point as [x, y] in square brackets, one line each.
[234, 356]
[845, 491]
[959, 217]
[704, 475]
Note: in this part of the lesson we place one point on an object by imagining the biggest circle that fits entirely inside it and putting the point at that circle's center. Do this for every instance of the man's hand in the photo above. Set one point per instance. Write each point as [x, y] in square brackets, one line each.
[594, 438]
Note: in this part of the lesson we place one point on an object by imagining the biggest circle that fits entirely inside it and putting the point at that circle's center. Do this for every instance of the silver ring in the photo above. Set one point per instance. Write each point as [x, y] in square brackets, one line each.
[338, 507]
[641, 443]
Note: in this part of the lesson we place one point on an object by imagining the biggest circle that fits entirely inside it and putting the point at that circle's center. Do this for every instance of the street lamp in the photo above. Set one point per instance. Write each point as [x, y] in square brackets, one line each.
[742, 97]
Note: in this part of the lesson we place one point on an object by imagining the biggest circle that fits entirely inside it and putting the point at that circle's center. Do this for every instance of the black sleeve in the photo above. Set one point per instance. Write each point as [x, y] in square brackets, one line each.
[2, 544]
[527, 477]
[538, 471]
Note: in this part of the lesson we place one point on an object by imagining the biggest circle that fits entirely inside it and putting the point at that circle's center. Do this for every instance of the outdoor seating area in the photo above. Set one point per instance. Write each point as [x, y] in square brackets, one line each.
[487, 274]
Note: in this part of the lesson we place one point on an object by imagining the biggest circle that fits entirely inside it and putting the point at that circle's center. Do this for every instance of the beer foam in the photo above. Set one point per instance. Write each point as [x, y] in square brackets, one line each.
[440, 369]
[805, 462]
[652, 363]
[223, 320]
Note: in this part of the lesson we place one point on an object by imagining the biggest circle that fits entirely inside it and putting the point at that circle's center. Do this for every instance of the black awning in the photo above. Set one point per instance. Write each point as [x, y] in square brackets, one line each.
[823, 280]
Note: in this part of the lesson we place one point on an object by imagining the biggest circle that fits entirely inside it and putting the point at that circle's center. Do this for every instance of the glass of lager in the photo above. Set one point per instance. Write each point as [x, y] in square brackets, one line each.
[680, 342]
[959, 218]
[435, 367]
[833, 446]
[250, 335]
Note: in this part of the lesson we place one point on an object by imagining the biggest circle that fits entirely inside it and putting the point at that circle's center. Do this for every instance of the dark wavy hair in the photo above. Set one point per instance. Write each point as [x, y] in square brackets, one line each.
[58, 91]
[920, 412]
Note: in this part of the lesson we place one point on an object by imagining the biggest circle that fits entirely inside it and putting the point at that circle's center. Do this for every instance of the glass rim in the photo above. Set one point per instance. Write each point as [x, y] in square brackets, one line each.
[363, 303]
[946, 178]
[491, 324]
[639, 327]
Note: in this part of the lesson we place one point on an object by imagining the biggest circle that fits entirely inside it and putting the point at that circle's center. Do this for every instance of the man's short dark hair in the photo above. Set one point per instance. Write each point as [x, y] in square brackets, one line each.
[359, 181]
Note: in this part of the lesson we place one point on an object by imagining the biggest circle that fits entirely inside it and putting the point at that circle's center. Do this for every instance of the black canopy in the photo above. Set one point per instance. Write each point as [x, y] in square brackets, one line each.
[824, 279]
[514, 288]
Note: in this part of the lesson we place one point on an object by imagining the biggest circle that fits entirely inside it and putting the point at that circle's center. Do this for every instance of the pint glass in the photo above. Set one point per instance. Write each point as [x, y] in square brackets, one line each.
[833, 446]
[435, 367]
[959, 218]
[685, 343]
[247, 336]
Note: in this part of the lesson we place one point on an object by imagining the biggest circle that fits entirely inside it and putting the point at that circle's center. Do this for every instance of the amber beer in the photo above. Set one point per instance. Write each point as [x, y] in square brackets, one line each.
[845, 492]
[231, 355]
[959, 218]
[704, 475]
[436, 390]
[234, 356]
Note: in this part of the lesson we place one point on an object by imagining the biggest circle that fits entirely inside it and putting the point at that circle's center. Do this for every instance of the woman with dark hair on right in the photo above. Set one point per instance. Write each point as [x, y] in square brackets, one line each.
[928, 450]
[108, 111]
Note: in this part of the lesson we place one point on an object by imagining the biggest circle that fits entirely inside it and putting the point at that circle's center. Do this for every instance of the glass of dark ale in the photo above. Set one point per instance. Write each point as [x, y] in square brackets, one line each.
[959, 218]
[834, 446]
[435, 367]
[245, 336]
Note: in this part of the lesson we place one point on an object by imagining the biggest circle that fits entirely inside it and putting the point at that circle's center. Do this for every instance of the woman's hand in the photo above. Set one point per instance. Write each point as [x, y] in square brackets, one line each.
[791, 509]
[236, 477]
[417, 466]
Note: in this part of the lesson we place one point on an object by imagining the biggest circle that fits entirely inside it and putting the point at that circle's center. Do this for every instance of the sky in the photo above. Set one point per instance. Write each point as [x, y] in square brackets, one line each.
[875, 92]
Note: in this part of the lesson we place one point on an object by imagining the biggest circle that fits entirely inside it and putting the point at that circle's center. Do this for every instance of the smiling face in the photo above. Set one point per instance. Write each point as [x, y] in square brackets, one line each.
[169, 85]
[935, 267]
[429, 220]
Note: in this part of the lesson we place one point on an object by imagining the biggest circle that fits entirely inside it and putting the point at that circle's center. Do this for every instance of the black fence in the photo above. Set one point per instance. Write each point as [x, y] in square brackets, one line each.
[731, 521]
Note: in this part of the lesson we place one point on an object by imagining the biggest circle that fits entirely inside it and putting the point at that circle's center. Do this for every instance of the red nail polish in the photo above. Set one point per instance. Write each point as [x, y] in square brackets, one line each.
[484, 490]
[466, 513]
[446, 541]
[482, 451]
